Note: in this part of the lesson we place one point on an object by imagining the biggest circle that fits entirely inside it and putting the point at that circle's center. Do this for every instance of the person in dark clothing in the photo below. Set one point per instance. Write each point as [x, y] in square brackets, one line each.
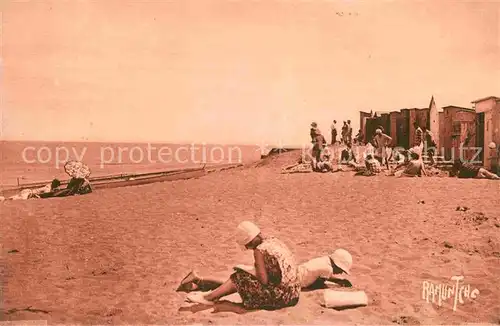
[334, 132]
[359, 137]
[318, 146]
[349, 132]
[430, 144]
[318, 141]
[76, 186]
[467, 170]
[343, 140]
[313, 132]
[347, 155]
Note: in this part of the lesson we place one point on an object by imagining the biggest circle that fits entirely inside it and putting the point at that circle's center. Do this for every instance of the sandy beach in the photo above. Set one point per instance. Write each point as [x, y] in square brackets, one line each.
[116, 256]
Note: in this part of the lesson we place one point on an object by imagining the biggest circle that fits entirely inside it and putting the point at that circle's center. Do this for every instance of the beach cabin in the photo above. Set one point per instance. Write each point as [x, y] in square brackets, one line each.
[459, 133]
[399, 125]
[488, 129]
[362, 122]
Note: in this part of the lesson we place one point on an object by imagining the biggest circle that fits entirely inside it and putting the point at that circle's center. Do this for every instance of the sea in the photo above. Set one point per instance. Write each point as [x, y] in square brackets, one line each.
[26, 162]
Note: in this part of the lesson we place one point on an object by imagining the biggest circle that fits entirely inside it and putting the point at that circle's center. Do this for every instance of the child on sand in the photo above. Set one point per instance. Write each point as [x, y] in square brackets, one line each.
[318, 270]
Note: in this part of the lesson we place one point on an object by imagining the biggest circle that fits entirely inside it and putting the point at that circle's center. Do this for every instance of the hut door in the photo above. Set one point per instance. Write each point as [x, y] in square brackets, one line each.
[480, 135]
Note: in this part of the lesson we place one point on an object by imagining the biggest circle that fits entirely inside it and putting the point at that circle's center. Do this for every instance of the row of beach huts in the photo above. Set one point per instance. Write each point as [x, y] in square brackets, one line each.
[456, 129]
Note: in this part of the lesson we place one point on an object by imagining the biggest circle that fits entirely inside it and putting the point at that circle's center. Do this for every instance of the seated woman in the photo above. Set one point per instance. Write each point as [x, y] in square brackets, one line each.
[324, 164]
[413, 168]
[347, 155]
[273, 283]
[37, 192]
[76, 186]
[468, 171]
[372, 166]
[311, 274]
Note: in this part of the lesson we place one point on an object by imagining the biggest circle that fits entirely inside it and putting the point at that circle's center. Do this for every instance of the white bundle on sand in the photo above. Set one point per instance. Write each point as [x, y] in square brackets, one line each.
[343, 299]
[297, 168]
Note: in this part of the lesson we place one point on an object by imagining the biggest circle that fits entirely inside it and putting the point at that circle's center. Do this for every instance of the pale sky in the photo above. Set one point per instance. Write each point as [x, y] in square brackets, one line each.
[236, 71]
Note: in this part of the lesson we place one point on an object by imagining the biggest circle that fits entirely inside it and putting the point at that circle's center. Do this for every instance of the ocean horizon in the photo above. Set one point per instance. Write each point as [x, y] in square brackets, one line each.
[25, 162]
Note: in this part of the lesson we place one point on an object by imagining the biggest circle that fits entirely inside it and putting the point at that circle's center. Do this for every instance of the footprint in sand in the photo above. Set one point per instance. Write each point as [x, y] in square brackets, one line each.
[406, 320]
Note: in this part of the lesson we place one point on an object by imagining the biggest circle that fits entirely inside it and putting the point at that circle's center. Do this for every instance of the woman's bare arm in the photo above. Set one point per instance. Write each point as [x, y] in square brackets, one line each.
[260, 268]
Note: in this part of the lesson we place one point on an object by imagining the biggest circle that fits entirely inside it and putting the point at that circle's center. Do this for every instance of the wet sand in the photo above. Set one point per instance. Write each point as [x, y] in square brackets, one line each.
[117, 255]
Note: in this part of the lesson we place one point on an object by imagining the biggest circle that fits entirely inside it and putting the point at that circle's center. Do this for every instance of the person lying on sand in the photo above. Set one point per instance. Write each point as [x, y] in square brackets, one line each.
[274, 282]
[415, 167]
[312, 273]
[37, 192]
[467, 170]
[316, 271]
[298, 168]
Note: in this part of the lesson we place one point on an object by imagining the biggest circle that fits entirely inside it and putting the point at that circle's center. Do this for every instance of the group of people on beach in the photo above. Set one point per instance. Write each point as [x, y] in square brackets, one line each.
[78, 184]
[274, 281]
[377, 155]
[75, 186]
[346, 133]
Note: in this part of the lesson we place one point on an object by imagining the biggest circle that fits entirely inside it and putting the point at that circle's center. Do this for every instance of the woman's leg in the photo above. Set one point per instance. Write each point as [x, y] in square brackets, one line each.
[208, 283]
[225, 289]
[195, 282]
[483, 173]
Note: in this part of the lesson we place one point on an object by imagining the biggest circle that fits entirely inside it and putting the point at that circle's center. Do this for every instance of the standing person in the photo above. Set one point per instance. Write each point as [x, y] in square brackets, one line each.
[318, 143]
[419, 138]
[272, 284]
[430, 144]
[349, 132]
[381, 141]
[344, 133]
[334, 132]
[313, 131]
[495, 150]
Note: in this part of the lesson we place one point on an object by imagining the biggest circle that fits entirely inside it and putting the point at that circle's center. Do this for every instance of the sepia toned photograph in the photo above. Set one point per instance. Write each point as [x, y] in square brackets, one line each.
[249, 162]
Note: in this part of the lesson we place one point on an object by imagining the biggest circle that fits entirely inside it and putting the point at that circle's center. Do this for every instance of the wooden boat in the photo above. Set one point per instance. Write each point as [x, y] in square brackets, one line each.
[133, 179]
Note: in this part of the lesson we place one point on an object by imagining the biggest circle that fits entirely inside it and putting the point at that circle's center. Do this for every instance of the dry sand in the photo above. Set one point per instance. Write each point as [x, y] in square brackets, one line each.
[116, 256]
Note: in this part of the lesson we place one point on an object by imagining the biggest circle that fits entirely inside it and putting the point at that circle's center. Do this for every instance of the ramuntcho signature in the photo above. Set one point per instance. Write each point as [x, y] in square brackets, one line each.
[438, 293]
